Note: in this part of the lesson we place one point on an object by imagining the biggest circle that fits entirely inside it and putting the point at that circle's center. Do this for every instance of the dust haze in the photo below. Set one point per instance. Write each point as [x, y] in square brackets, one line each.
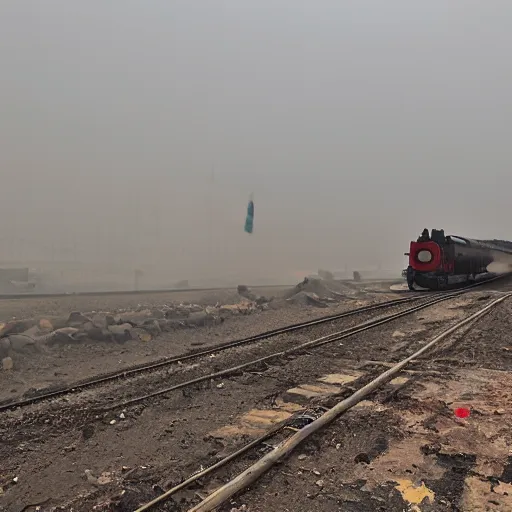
[134, 132]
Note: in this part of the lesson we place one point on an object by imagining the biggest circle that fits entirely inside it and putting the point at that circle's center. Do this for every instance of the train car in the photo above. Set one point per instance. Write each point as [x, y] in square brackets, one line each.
[439, 262]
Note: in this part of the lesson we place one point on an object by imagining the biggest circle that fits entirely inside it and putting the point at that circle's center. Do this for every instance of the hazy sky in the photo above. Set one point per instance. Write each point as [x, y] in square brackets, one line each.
[354, 123]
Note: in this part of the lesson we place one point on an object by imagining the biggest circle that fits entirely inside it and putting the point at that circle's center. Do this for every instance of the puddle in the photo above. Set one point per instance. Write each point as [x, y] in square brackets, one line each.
[414, 494]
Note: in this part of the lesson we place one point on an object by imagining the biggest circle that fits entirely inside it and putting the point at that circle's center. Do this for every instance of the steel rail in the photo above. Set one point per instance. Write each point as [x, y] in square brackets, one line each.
[137, 369]
[337, 336]
[360, 394]
[251, 474]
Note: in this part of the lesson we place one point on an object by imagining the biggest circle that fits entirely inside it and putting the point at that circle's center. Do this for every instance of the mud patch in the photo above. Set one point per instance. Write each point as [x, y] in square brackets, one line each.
[414, 493]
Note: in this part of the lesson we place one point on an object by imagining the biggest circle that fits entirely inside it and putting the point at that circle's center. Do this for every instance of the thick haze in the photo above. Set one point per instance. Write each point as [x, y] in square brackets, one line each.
[355, 124]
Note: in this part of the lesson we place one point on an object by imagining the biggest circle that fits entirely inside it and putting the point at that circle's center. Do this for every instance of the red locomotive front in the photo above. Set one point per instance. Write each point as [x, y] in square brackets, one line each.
[437, 262]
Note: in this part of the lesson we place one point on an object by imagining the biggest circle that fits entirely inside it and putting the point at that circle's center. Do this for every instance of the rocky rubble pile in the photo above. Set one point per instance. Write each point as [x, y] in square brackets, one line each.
[142, 324]
[319, 292]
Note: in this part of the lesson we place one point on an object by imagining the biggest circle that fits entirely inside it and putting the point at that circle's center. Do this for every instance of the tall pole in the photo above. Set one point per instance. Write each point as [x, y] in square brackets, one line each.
[210, 215]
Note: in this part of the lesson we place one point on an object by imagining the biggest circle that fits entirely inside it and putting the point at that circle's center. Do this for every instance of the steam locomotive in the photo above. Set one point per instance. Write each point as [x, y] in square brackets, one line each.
[439, 262]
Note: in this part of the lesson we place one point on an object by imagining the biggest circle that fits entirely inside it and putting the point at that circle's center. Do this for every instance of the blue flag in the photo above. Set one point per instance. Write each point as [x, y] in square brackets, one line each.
[249, 219]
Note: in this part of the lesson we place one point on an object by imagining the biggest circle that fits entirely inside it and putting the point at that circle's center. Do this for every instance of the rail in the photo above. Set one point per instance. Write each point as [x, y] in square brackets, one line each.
[252, 474]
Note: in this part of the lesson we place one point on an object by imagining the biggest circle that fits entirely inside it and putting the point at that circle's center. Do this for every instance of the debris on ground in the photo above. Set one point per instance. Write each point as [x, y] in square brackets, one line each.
[7, 363]
[307, 299]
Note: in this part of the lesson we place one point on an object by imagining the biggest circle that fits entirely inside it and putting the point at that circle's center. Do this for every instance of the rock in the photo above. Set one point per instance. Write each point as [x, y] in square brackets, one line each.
[500, 412]
[45, 325]
[6, 328]
[5, 347]
[7, 363]
[113, 422]
[177, 313]
[121, 333]
[165, 325]
[64, 336]
[98, 334]
[320, 483]
[200, 319]
[307, 299]
[18, 326]
[175, 324]
[229, 309]
[220, 386]
[87, 326]
[21, 343]
[104, 479]
[302, 456]
[136, 318]
[100, 321]
[111, 320]
[141, 334]
[122, 416]
[69, 331]
[90, 477]
[243, 308]
[77, 319]
[153, 327]
[172, 313]
[59, 322]
[262, 300]
[33, 332]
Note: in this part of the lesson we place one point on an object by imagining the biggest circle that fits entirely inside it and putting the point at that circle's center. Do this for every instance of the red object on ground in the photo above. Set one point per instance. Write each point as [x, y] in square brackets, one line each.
[462, 412]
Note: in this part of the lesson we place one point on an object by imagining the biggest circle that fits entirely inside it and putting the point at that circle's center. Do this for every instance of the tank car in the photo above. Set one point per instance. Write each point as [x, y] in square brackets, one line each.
[439, 262]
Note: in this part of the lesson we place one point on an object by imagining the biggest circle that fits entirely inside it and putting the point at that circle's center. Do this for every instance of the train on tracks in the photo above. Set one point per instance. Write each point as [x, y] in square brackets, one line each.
[439, 262]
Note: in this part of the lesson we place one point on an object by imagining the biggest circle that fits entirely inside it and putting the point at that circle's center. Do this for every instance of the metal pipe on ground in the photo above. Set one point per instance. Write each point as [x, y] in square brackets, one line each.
[204, 472]
[251, 474]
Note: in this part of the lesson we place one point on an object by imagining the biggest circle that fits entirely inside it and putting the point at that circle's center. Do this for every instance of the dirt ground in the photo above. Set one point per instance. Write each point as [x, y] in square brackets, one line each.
[40, 366]
[402, 449]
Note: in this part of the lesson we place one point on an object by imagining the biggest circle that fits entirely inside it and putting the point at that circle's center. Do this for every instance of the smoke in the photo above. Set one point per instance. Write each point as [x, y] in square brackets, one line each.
[502, 263]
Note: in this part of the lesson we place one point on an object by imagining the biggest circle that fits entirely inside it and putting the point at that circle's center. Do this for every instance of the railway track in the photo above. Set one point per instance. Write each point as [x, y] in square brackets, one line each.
[133, 371]
[63, 421]
[302, 425]
[309, 345]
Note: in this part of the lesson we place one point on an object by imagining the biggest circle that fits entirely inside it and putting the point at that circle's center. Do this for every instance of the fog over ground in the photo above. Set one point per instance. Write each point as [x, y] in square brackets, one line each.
[134, 132]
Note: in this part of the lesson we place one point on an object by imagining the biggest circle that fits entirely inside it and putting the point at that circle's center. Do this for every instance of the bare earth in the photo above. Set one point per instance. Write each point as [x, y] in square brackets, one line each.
[403, 449]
